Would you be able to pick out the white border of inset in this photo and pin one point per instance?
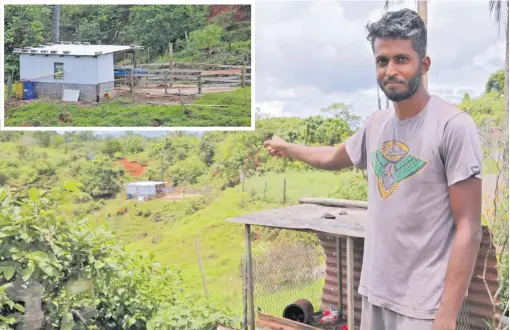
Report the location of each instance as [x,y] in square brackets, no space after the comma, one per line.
[142,128]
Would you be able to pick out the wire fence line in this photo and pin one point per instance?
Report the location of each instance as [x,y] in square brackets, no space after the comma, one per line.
[284,273]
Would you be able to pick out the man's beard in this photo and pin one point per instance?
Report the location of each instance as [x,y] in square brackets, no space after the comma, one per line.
[412,87]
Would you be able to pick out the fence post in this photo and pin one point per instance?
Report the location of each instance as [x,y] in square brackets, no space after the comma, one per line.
[284,190]
[265,188]
[171,63]
[134,66]
[9,87]
[249,271]
[166,83]
[131,82]
[243,77]
[241,179]
[197,244]
[200,82]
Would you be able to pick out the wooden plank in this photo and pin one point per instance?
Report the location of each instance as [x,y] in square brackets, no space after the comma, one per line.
[222,72]
[334,202]
[170,62]
[350,283]
[194,64]
[249,269]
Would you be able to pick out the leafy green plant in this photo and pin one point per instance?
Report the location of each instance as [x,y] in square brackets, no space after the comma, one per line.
[191,314]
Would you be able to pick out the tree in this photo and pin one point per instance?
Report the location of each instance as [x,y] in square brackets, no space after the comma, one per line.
[111,146]
[499,10]
[207,37]
[101,179]
[496,82]
[343,111]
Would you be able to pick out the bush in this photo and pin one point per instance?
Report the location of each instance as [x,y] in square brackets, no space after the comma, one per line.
[81,269]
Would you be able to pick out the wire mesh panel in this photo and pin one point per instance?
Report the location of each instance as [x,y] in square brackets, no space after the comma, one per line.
[284,273]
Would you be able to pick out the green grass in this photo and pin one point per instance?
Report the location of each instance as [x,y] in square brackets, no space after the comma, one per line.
[277,301]
[119,113]
[308,184]
[221,243]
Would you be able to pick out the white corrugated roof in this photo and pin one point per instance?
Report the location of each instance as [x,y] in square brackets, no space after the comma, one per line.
[145,183]
[74,49]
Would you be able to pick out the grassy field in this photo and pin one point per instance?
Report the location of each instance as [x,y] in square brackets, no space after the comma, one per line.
[172,236]
[121,113]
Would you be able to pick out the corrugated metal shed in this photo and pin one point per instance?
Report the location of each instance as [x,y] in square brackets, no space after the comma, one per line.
[477,309]
[74,49]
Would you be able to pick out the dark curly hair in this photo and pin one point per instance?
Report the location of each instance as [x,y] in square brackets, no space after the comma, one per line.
[405,24]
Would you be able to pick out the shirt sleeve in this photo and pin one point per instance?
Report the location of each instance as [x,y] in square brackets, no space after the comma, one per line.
[356,148]
[462,149]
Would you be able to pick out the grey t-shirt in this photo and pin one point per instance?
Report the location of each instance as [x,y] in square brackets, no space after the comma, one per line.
[410,230]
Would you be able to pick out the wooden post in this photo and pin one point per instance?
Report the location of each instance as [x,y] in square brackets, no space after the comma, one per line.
[241,179]
[265,188]
[284,190]
[250,276]
[243,77]
[200,82]
[131,82]
[134,66]
[350,283]
[197,244]
[171,62]
[166,83]
[339,272]
[9,87]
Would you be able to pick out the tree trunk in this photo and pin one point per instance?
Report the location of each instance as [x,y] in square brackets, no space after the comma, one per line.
[422,12]
[505,131]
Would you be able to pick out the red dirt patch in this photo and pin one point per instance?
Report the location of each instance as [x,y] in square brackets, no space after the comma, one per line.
[133,168]
[216,10]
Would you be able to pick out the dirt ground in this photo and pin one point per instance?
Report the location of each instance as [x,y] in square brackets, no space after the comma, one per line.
[188,94]
[173,197]
[132,168]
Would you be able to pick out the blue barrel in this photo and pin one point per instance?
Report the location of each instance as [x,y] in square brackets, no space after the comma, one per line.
[29,90]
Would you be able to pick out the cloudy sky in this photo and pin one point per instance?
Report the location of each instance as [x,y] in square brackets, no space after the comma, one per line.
[311,54]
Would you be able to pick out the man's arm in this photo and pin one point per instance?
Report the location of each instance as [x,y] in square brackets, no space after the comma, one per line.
[325,158]
[466,206]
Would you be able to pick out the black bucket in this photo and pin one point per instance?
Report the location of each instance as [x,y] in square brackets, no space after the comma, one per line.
[300,311]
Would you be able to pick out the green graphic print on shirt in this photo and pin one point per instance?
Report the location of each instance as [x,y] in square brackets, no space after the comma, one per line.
[393,164]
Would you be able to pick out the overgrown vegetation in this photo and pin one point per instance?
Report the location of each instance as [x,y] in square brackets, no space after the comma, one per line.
[205,33]
[121,113]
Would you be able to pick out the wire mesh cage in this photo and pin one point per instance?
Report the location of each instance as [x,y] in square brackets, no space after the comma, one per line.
[285,273]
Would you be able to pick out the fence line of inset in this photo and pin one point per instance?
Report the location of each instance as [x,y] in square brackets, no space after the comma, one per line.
[181,78]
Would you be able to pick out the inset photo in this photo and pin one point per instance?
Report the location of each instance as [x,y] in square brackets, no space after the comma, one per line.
[144,66]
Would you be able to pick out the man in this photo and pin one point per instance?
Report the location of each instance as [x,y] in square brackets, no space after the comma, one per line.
[424,161]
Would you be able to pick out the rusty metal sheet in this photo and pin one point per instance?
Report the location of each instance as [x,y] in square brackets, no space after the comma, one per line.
[479,306]
[476,311]
[330,293]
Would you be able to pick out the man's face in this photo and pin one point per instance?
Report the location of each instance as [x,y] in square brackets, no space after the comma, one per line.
[398,67]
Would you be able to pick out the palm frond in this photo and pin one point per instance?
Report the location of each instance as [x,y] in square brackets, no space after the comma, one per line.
[388,3]
[496,8]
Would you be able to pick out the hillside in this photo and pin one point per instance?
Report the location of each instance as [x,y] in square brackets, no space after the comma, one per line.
[75,182]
